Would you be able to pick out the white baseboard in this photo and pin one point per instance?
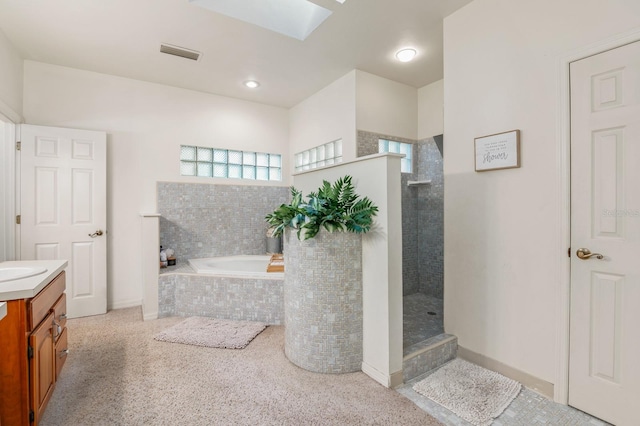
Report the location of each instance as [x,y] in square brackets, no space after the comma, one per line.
[121,304]
[534,383]
[150,316]
[386,380]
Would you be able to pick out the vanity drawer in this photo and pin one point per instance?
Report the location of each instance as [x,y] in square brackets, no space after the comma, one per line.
[40,306]
[62,349]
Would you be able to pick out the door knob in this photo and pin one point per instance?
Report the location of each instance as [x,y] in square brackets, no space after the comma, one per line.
[585,254]
[96,234]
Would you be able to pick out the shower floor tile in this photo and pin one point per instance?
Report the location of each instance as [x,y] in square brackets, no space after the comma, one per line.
[418,324]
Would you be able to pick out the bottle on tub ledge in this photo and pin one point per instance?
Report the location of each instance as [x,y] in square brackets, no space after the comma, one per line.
[167,257]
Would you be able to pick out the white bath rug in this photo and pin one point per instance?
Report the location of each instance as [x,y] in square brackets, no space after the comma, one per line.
[212,333]
[473,393]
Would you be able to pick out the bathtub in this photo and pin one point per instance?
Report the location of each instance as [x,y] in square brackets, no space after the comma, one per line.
[235,266]
[230,287]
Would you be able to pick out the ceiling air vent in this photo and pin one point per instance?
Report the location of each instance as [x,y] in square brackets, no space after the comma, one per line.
[180,51]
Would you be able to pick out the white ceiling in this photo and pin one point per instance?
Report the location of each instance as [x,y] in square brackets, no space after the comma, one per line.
[123,37]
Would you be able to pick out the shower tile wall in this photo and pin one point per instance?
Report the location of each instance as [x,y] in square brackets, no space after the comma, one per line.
[422,215]
[203,220]
[430,206]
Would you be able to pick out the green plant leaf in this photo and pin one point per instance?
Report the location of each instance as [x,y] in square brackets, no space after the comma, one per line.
[335,207]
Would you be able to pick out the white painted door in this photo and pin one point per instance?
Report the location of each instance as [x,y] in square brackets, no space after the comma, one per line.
[604,365]
[63,209]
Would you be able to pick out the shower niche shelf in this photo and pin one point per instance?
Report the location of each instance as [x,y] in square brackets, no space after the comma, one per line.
[418,182]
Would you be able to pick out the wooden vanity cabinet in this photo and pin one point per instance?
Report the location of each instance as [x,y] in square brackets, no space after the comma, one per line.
[33,345]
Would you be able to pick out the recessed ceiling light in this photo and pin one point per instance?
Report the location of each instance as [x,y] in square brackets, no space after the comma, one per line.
[252,84]
[406,55]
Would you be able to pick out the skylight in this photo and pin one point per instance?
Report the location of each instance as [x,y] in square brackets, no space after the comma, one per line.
[293,18]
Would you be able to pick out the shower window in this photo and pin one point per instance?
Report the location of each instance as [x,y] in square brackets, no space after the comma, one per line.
[227,163]
[406,164]
[320,156]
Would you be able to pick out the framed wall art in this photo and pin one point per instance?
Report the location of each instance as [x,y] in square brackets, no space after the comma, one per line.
[499,151]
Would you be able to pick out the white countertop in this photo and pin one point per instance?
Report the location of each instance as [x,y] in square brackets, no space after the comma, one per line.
[26,288]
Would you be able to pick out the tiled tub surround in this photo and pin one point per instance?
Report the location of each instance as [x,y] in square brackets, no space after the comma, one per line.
[422,215]
[323,302]
[182,292]
[205,220]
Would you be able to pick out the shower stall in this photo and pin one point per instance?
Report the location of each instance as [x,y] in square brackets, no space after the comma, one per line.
[422,231]
[423,244]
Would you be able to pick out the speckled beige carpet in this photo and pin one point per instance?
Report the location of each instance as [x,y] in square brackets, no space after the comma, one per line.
[212,333]
[117,374]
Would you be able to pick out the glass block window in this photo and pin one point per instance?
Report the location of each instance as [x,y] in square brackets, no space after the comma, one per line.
[406,164]
[227,163]
[320,156]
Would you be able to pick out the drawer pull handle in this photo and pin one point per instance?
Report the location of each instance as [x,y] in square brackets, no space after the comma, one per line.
[58,329]
[63,353]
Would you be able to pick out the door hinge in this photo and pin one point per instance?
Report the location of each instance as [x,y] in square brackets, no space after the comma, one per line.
[32,416]
[18,218]
[18,146]
[569,252]
[29,352]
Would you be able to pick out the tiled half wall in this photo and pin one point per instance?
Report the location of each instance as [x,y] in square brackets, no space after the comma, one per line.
[205,220]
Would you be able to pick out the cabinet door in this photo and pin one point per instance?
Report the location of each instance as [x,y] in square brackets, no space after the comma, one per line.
[42,366]
[62,349]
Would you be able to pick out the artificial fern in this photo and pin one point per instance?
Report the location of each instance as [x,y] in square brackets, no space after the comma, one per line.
[336,208]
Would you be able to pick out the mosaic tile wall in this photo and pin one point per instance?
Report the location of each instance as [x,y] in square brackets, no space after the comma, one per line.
[430,210]
[438,351]
[422,211]
[203,220]
[246,299]
[323,302]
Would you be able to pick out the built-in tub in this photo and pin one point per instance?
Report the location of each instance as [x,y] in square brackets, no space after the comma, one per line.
[235,266]
[229,287]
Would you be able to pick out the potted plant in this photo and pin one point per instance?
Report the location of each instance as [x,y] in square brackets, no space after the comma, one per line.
[323,275]
[336,208]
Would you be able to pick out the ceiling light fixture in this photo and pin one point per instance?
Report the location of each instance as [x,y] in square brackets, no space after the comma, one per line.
[252,84]
[406,55]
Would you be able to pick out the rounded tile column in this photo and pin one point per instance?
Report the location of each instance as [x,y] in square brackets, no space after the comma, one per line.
[323,301]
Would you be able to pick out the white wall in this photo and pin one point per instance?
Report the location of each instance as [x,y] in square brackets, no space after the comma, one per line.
[326,116]
[10,79]
[146,124]
[503,255]
[377,177]
[386,107]
[431,110]
[10,112]
[7,189]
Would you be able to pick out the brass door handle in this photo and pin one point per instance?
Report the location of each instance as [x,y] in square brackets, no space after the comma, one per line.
[585,254]
[96,234]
